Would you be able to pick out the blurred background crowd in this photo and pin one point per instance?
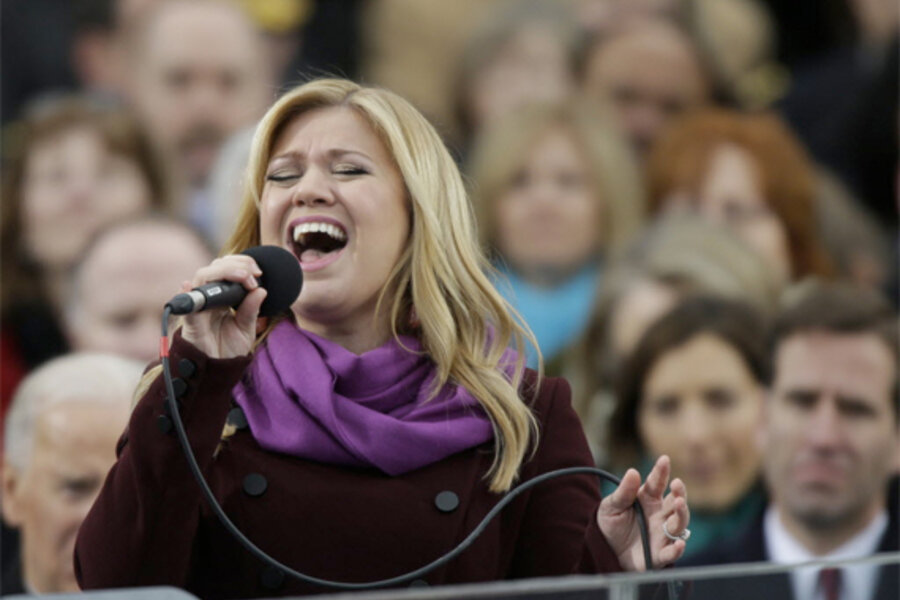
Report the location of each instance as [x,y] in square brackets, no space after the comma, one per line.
[657,183]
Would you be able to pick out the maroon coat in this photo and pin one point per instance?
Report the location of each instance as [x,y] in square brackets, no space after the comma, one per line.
[150,525]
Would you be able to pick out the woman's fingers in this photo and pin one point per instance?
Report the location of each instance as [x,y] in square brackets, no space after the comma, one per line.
[670,553]
[235,267]
[655,485]
[678,520]
[248,311]
[624,495]
[223,333]
[678,488]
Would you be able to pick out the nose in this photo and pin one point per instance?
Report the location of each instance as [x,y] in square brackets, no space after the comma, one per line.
[644,121]
[696,425]
[313,189]
[82,189]
[203,97]
[824,430]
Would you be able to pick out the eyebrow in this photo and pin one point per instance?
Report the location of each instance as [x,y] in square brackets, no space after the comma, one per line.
[332,154]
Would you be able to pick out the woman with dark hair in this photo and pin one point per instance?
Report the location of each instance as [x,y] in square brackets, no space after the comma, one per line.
[693,389]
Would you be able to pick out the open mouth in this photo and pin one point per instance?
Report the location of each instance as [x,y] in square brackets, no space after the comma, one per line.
[314,240]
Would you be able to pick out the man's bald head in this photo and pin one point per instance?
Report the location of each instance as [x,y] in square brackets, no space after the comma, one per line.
[648,71]
[196,71]
[123,281]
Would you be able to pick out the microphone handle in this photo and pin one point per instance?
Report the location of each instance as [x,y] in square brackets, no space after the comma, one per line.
[210,295]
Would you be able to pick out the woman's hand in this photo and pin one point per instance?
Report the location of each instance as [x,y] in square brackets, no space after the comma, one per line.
[222,332]
[618,521]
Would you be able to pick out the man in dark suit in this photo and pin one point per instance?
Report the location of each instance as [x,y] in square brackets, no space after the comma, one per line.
[831,443]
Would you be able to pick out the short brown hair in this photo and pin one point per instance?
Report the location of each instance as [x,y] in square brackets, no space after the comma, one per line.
[839,308]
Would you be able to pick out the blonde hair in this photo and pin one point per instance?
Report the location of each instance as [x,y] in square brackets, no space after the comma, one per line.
[463,323]
[615,176]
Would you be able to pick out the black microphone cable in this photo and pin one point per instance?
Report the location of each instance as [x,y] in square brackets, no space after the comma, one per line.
[440,561]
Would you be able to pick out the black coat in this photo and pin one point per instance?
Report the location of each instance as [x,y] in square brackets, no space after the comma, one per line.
[751,547]
[150,526]
[11,579]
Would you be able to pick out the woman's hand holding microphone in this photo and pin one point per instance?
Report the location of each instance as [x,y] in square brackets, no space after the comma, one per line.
[224,332]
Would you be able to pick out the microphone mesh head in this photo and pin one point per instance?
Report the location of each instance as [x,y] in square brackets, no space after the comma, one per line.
[281,277]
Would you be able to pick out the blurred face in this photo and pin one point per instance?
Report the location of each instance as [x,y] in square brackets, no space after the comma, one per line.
[731,195]
[831,436]
[532,67]
[122,289]
[548,221]
[74,448]
[637,309]
[73,186]
[648,76]
[197,76]
[701,406]
[334,197]
[598,16]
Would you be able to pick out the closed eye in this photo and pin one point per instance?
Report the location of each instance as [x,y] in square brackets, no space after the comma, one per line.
[281,178]
[349,170]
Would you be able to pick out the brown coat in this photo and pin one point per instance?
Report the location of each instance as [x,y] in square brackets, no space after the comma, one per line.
[150,525]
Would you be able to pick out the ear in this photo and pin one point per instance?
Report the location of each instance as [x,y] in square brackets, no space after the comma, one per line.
[11,503]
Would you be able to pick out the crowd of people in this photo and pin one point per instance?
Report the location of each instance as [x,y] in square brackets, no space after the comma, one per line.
[685,210]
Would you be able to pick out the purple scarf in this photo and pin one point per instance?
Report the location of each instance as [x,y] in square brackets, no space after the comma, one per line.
[309,397]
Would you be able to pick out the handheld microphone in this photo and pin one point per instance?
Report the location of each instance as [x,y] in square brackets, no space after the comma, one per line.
[281,277]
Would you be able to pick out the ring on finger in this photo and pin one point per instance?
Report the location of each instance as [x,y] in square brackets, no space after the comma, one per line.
[683,536]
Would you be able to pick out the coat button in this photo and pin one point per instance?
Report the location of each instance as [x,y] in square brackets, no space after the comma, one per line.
[419,583]
[186,368]
[255,484]
[446,501]
[237,418]
[164,423]
[168,410]
[271,578]
[180,386]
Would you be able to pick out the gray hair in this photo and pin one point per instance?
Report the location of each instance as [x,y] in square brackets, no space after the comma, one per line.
[74,377]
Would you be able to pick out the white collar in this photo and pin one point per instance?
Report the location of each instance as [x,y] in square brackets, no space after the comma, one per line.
[783,548]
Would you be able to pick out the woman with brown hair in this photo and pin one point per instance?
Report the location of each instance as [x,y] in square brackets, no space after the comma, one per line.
[693,389]
[676,257]
[70,167]
[748,173]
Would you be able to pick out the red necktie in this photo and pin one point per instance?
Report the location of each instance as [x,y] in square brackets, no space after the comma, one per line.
[830,580]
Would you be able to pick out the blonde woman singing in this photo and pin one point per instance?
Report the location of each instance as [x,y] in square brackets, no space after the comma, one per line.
[368,429]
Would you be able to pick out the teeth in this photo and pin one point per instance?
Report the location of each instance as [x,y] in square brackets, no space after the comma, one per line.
[318,227]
